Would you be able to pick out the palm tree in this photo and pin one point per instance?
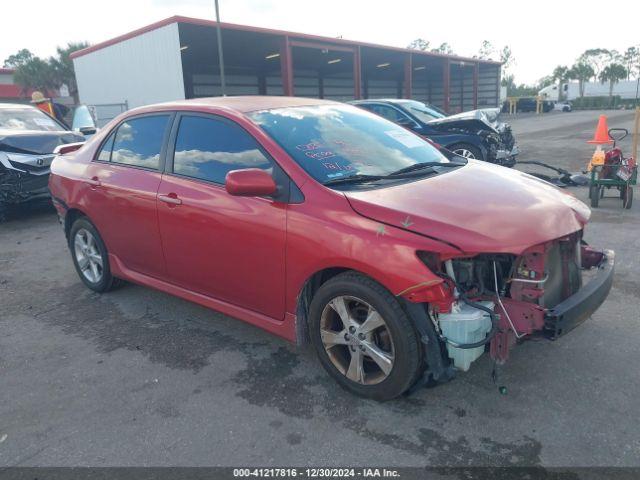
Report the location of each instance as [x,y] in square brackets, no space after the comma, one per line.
[612,73]
[559,75]
[582,72]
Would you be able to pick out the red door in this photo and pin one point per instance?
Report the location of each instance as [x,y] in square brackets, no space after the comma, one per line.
[121,195]
[230,248]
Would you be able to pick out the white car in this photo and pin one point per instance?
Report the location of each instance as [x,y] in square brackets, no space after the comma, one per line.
[563,106]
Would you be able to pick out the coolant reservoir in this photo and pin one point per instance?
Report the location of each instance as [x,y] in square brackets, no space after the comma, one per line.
[465,324]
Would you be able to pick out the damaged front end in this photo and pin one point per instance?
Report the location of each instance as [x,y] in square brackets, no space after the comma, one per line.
[25,163]
[23,177]
[491,301]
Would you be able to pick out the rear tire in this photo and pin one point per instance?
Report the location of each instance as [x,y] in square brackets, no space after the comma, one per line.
[90,256]
[627,198]
[594,195]
[375,352]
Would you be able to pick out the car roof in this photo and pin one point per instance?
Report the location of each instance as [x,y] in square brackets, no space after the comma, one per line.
[383,100]
[243,104]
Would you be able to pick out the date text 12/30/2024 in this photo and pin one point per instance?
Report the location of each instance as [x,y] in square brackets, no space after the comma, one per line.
[315,473]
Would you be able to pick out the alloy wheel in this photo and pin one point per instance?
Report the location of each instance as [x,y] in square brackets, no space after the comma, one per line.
[88,255]
[357,340]
[463,152]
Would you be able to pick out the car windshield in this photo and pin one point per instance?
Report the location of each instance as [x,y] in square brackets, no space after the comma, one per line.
[424,112]
[27,119]
[340,141]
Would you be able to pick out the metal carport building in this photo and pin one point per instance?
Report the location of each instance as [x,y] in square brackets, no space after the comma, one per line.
[177,58]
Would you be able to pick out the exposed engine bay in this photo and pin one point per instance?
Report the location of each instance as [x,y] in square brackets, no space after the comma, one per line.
[498,299]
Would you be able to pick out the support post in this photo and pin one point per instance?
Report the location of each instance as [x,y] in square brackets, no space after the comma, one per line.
[408,74]
[446,80]
[223,83]
[636,133]
[476,67]
[286,67]
[357,74]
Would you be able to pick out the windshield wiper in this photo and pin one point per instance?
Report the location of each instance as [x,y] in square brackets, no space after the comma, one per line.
[357,178]
[423,166]
[403,172]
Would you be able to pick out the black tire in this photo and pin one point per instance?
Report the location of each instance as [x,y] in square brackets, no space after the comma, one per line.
[475,151]
[106,281]
[594,195]
[407,350]
[627,199]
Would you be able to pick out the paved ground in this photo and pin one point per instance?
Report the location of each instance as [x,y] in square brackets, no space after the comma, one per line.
[136,377]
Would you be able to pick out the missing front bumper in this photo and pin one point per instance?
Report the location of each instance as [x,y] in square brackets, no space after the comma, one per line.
[571,312]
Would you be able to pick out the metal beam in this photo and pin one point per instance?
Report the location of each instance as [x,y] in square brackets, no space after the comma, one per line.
[357,74]
[446,81]
[476,67]
[286,67]
[223,83]
[408,74]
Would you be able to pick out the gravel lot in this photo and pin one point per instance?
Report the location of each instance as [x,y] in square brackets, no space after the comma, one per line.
[137,377]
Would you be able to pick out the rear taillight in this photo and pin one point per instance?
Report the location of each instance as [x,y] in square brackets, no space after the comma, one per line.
[68,148]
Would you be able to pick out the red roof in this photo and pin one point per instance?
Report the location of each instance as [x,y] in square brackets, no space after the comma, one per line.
[247,28]
[7,70]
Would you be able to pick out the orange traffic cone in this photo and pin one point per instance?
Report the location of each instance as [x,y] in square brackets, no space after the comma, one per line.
[602,132]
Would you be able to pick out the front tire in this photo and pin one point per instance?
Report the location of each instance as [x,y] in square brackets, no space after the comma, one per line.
[90,256]
[467,151]
[363,337]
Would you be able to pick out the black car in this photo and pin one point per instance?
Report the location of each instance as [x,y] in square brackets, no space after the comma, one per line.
[475,134]
[29,139]
[529,104]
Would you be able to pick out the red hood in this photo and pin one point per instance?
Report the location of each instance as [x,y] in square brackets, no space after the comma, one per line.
[478,208]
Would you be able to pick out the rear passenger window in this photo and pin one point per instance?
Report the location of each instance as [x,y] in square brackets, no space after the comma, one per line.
[138,141]
[208,148]
[105,152]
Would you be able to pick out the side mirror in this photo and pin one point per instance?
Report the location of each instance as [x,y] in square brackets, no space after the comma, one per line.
[249,182]
[88,130]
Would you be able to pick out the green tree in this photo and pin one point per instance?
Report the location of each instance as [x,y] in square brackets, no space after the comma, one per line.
[612,73]
[444,48]
[560,75]
[631,59]
[32,72]
[36,74]
[419,44]
[17,59]
[598,59]
[486,50]
[582,72]
[63,67]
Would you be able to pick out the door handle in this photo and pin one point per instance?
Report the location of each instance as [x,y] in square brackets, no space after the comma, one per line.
[93,181]
[171,199]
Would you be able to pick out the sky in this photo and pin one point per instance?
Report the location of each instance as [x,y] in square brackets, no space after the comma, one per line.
[541,34]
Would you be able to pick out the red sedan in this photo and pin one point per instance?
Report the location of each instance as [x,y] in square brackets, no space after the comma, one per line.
[320,221]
